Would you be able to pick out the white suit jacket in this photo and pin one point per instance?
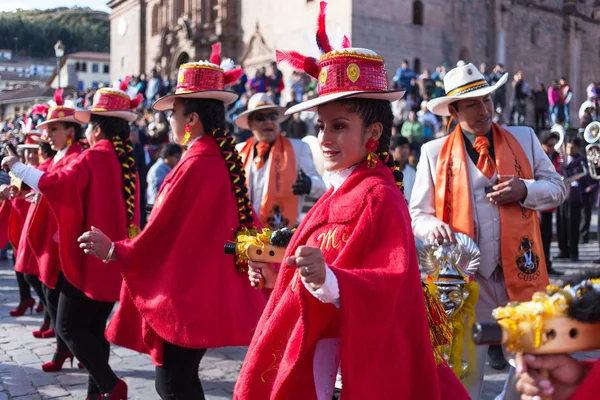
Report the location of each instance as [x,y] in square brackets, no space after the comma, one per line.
[545,191]
[304,161]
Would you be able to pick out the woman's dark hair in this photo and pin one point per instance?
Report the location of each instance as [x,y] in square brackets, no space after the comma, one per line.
[78,133]
[212,116]
[46,150]
[371,111]
[117,131]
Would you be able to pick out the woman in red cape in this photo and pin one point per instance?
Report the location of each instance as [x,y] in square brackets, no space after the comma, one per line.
[181,294]
[25,262]
[97,189]
[64,135]
[349,294]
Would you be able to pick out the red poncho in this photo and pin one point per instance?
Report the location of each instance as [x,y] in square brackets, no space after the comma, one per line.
[88,192]
[13,213]
[588,389]
[179,285]
[43,232]
[364,232]
[25,261]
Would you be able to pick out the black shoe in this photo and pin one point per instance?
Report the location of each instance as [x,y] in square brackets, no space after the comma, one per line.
[596,261]
[497,360]
[552,271]
[562,256]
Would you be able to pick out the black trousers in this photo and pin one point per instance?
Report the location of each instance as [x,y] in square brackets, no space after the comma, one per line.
[567,228]
[34,282]
[178,379]
[52,296]
[24,289]
[586,217]
[81,322]
[546,231]
[540,120]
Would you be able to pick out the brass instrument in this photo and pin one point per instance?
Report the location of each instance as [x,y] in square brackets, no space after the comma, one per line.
[592,151]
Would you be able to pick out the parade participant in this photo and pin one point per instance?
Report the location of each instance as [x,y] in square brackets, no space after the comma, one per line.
[97,189]
[25,262]
[340,296]
[279,171]
[486,182]
[171,318]
[13,216]
[65,135]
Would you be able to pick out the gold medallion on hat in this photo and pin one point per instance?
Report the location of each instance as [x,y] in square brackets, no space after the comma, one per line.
[61,114]
[353,72]
[323,76]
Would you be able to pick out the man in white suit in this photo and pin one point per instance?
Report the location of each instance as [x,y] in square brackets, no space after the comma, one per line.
[279,171]
[487,182]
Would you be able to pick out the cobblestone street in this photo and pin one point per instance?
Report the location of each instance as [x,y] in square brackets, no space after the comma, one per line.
[21,355]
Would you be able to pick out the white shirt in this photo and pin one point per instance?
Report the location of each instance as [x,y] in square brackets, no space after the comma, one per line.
[60,154]
[408,181]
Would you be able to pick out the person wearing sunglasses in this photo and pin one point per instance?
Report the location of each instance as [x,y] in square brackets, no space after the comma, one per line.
[279,171]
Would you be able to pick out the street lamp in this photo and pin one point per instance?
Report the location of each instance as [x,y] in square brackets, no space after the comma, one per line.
[59,51]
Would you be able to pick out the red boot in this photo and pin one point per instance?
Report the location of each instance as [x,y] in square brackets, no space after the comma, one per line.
[22,307]
[49,333]
[40,332]
[119,392]
[39,308]
[57,362]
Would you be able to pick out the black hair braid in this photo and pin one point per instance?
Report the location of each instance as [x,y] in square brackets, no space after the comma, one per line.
[372,111]
[212,116]
[117,130]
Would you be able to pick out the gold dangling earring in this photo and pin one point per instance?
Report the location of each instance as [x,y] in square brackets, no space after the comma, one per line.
[371,146]
[186,137]
[69,141]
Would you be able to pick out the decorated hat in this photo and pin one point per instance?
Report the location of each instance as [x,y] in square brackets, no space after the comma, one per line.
[449,262]
[260,102]
[59,111]
[32,141]
[38,111]
[204,80]
[112,102]
[463,82]
[349,72]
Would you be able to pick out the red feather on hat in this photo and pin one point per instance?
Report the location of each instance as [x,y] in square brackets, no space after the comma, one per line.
[346,43]
[232,76]
[215,56]
[298,61]
[125,84]
[40,109]
[135,102]
[58,97]
[322,38]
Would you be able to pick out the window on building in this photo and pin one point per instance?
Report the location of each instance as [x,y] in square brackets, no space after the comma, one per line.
[417,65]
[214,10]
[106,69]
[535,33]
[83,67]
[418,12]
[180,7]
[80,86]
[122,62]
[155,20]
[94,85]
[95,68]
[77,66]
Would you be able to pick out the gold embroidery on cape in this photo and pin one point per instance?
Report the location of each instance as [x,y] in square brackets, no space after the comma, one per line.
[328,239]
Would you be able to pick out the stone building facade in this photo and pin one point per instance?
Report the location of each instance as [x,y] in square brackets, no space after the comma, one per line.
[546,39]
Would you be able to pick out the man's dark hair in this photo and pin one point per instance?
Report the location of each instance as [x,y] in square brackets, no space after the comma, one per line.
[576,141]
[454,105]
[398,141]
[170,149]
[547,135]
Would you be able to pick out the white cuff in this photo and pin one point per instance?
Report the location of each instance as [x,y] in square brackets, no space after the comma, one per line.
[330,291]
[29,175]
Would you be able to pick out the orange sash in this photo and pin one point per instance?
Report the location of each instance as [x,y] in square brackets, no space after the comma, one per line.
[521,243]
[279,206]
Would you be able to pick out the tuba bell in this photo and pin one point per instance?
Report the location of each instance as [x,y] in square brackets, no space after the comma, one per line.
[560,130]
[592,151]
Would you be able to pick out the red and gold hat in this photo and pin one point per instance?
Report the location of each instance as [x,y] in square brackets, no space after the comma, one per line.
[204,80]
[112,102]
[59,112]
[32,141]
[349,72]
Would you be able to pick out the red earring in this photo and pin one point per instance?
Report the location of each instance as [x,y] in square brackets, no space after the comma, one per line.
[371,146]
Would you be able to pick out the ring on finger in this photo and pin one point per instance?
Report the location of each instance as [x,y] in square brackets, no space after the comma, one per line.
[306,270]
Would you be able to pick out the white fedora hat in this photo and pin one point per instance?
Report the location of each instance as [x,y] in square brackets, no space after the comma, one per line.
[464,82]
[258,102]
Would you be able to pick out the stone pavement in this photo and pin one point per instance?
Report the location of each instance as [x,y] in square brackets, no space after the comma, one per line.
[21,356]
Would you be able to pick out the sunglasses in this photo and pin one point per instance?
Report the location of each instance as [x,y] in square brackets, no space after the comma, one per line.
[260,117]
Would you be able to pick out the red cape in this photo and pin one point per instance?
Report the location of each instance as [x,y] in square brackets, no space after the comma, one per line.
[179,285]
[5,211]
[364,232]
[588,389]
[88,192]
[25,261]
[42,233]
